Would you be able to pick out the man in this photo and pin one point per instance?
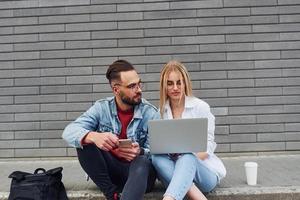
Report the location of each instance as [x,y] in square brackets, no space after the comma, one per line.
[96,135]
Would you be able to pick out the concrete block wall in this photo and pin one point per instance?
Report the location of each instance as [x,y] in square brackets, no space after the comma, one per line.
[243,56]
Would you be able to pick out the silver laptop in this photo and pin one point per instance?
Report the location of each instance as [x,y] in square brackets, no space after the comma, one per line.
[177,135]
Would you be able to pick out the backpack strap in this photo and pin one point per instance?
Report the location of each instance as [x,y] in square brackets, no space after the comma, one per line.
[39,169]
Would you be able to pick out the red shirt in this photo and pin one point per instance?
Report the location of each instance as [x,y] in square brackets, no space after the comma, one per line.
[125,117]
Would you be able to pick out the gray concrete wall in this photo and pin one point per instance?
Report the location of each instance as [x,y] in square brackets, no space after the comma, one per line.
[243,56]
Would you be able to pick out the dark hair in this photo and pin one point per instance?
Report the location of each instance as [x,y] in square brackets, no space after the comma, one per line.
[113,71]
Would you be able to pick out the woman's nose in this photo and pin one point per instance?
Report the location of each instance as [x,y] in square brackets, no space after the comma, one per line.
[175,87]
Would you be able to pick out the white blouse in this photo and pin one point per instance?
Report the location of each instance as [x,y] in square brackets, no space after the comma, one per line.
[197,108]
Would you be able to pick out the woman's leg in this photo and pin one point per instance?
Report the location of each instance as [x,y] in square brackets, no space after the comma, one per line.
[183,176]
[164,167]
[205,179]
[195,194]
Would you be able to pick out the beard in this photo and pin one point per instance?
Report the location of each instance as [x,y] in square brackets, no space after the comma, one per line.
[136,100]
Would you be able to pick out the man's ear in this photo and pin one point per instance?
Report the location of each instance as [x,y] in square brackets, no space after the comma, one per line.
[115,89]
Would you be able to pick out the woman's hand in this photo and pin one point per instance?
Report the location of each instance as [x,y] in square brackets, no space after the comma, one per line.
[202,155]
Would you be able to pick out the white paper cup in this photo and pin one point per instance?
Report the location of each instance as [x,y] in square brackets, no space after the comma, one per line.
[251,172]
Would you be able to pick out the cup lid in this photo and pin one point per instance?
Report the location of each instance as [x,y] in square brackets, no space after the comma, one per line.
[250,164]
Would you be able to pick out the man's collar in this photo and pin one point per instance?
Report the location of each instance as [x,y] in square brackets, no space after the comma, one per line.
[137,110]
[113,106]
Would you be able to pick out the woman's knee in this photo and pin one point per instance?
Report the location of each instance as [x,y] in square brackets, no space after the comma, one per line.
[208,186]
[205,179]
[188,158]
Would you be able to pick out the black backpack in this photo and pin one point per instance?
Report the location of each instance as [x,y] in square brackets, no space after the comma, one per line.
[41,185]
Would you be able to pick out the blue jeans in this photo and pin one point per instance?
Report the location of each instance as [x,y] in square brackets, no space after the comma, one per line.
[179,174]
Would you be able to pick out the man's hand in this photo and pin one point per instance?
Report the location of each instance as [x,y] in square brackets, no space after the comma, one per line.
[128,153]
[202,155]
[105,141]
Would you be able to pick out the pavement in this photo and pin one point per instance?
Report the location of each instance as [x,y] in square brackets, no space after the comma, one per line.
[278,178]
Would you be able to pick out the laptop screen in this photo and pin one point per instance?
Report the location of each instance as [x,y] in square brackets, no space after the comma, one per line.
[178,135]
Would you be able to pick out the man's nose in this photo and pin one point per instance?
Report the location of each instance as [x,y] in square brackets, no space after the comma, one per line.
[139,89]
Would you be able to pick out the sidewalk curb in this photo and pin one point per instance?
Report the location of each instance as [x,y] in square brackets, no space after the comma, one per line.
[279,179]
[245,193]
[256,190]
[256,193]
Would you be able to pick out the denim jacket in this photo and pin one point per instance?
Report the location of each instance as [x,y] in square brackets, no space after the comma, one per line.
[103,117]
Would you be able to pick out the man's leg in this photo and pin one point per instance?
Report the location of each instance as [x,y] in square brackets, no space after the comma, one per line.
[103,169]
[138,179]
[151,178]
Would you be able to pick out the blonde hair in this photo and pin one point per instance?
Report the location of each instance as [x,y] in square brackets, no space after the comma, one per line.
[171,66]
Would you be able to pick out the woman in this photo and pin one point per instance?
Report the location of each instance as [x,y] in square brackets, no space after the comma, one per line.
[191,173]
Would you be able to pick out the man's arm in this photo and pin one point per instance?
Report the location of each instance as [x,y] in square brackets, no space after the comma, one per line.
[105,141]
[77,130]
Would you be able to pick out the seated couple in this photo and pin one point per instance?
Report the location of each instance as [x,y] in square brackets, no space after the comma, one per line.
[131,171]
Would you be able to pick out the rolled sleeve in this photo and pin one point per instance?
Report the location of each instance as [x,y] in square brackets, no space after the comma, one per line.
[211,144]
[77,130]
[203,110]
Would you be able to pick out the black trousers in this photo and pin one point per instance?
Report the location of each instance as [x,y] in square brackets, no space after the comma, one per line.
[112,175]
